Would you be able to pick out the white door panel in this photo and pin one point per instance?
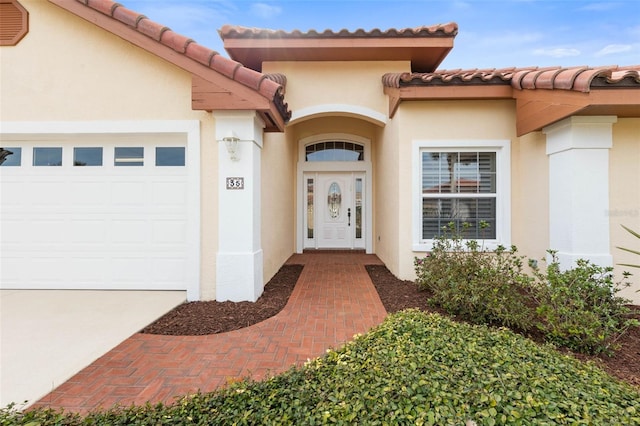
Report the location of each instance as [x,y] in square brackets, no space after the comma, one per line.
[334,215]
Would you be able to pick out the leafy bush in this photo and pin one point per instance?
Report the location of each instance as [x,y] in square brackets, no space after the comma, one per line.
[578,308]
[414,368]
[477,285]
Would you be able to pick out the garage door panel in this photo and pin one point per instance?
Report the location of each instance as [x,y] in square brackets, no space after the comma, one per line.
[13,269]
[43,231]
[88,231]
[48,269]
[13,193]
[170,231]
[13,230]
[169,271]
[130,269]
[90,193]
[129,192]
[129,231]
[49,194]
[90,271]
[96,226]
[169,193]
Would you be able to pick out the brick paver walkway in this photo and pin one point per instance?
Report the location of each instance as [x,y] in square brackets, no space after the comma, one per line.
[333,300]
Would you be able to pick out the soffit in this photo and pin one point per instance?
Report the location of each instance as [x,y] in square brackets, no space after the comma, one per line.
[425,47]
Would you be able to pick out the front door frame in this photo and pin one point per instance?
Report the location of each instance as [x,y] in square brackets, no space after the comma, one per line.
[335,167]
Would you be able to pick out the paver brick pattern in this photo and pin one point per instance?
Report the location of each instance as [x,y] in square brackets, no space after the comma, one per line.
[333,300]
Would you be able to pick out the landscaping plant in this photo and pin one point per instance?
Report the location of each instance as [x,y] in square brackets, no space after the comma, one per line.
[579,308]
[475,284]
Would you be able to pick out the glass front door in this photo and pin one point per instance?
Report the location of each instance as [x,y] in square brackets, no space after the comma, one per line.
[334,216]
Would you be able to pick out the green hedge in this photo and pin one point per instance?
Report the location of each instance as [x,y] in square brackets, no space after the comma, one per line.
[415,368]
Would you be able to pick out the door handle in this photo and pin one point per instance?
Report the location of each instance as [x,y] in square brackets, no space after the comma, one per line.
[349,216]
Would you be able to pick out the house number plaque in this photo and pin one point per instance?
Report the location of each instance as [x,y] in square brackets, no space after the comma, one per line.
[235,183]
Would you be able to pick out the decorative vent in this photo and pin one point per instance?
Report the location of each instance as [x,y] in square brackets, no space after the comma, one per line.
[14,22]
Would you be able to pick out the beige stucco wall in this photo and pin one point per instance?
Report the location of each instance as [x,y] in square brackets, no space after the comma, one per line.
[530,195]
[310,84]
[66,69]
[278,198]
[386,195]
[460,121]
[624,199]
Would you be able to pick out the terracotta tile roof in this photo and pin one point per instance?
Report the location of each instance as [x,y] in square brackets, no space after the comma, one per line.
[580,79]
[425,47]
[269,87]
[233,31]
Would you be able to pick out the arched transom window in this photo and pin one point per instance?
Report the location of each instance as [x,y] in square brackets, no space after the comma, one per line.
[334,151]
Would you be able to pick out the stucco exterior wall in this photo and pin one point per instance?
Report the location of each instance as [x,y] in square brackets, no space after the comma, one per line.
[445,120]
[278,198]
[386,194]
[530,195]
[624,199]
[67,69]
[310,84]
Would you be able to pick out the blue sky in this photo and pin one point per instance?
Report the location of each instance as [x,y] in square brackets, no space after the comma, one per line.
[492,33]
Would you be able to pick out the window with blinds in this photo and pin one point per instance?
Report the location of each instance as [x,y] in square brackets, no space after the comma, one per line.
[459,187]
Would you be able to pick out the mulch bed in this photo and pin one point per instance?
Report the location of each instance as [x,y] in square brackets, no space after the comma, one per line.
[211,317]
[199,318]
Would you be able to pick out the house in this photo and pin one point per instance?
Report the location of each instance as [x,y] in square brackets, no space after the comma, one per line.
[143,160]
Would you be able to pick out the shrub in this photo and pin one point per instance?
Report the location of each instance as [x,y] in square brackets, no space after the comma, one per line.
[579,308]
[414,368]
[477,285]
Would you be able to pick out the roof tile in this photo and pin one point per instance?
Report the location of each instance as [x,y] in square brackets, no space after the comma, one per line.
[225,66]
[547,78]
[583,80]
[234,31]
[565,78]
[175,41]
[127,16]
[151,29]
[199,53]
[103,6]
[579,79]
[249,77]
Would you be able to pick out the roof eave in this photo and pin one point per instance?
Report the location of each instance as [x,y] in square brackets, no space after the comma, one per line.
[536,109]
[252,49]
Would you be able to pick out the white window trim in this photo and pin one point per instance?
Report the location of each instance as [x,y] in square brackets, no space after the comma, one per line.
[502,148]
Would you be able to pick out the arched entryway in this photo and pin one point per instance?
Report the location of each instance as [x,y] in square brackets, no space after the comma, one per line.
[334,193]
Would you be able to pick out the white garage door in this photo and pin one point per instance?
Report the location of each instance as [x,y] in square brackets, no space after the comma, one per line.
[97,212]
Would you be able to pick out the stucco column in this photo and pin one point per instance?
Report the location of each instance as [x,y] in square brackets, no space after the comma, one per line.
[578,150]
[239,259]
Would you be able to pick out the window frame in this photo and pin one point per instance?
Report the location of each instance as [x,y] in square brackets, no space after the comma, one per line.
[502,149]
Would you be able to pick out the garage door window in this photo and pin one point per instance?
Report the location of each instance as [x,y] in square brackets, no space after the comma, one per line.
[10,157]
[87,156]
[129,156]
[47,156]
[170,156]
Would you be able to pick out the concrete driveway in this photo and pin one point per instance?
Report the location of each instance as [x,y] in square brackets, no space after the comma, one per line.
[46,336]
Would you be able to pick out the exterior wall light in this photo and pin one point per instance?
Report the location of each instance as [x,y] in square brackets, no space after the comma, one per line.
[231,141]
